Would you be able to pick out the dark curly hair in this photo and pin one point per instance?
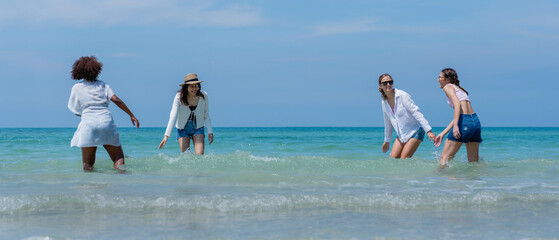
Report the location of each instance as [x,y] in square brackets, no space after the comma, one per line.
[452,77]
[382,94]
[87,68]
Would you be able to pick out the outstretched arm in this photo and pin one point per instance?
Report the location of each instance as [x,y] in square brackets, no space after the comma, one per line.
[172,120]
[439,138]
[124,108]
[409,104]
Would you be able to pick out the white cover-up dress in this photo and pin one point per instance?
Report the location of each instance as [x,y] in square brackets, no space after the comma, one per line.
[91,101]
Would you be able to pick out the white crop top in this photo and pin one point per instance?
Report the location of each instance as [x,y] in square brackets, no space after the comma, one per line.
[462,96]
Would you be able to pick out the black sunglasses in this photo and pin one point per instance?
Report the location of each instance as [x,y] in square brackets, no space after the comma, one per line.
[387,82]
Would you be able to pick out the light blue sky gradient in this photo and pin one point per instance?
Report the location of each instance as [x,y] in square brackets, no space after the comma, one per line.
[282,63]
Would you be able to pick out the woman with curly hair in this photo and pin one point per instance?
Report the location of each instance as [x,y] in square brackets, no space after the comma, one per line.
[464,127]
[89,100]
[401,114]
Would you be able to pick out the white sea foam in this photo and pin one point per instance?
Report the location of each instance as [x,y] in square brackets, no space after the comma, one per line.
[265,159]
[22,204]
[336,180]
[38,238]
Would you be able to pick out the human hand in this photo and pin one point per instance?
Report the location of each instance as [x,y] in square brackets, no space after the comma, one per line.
[135,122]
[385,147]
[163,142]
[431,136]
[438,140]
[456,132]
[210,137]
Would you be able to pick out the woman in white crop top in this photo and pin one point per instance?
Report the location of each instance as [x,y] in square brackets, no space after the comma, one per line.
[464,127]
[401,114]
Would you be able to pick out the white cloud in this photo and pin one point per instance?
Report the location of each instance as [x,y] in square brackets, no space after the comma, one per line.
[127,12]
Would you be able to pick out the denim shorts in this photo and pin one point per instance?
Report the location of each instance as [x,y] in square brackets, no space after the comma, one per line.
[419,134]
[470,129]
[189,130]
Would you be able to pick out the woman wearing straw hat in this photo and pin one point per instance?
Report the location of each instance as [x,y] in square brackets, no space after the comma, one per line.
[189,114]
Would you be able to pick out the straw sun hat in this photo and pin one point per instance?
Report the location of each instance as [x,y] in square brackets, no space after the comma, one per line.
[191,78]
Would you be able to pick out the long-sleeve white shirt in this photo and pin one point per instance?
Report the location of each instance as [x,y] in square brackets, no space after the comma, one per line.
[180,112]
[406,118]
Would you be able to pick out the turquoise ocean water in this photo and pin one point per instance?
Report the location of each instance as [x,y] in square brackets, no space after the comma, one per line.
[279,183]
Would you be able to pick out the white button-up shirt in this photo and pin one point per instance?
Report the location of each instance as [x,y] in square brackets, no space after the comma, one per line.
[406,118]
[180,112]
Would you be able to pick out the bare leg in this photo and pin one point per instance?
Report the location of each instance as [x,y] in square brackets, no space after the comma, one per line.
[410,147]
[396,149]
[449,150]
[198,140]
[472,148]
[116,154]
[184,143]
[88,157]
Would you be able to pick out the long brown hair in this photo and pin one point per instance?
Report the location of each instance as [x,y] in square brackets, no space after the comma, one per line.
[382,94]
[452,77]
[184,93]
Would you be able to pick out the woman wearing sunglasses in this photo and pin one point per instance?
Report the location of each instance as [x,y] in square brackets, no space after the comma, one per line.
[464,127]
[402,115]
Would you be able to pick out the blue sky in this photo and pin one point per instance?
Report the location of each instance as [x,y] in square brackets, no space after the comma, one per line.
[282,63]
